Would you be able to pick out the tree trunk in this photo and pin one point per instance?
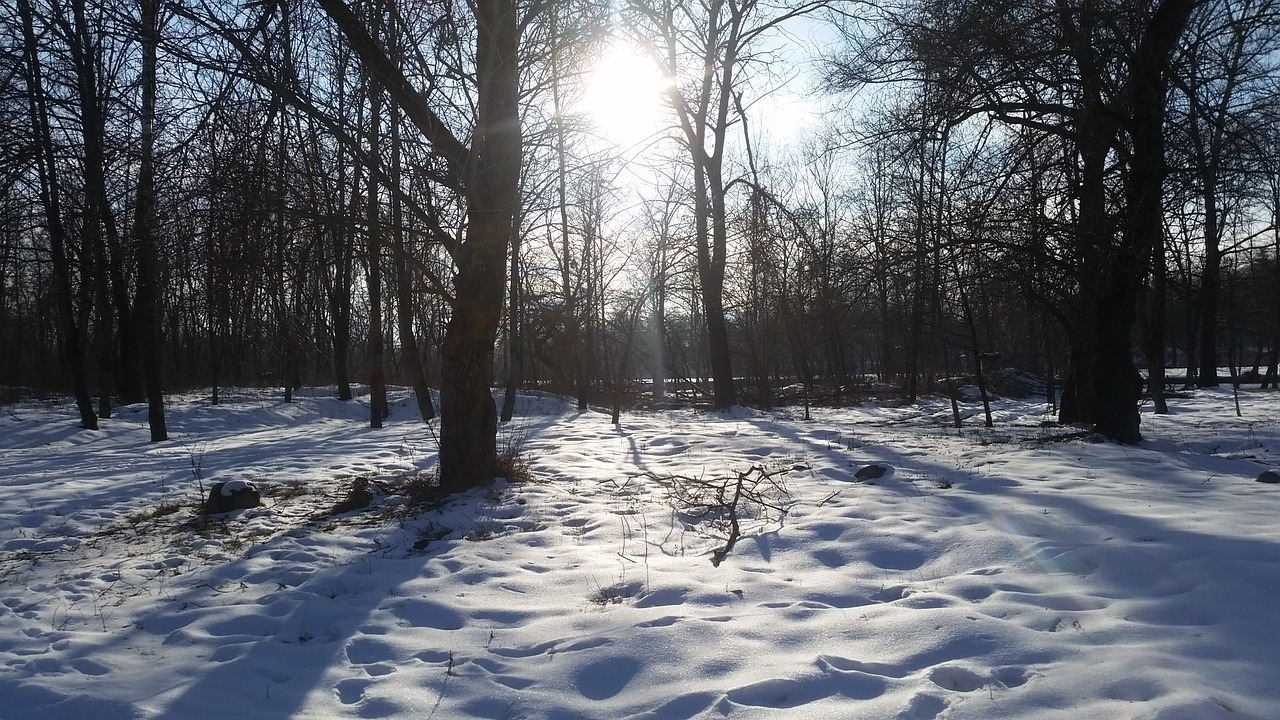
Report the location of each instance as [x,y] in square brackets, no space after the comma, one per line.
[515,349]
[72,331]
[468,428]
[1153,332]
[412,354]
[378,409]
[147,302]
[1145,216]
[1210,284]
[1104,384]
[488,175]
[343,259]
[93,245]
[1097,323]
[711,267]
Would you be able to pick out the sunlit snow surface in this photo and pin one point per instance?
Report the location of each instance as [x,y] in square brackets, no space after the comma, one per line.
[995,574]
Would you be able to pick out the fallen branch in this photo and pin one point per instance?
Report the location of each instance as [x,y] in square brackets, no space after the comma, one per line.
[721,504]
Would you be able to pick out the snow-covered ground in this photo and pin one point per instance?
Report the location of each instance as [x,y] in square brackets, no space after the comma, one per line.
[1002,573]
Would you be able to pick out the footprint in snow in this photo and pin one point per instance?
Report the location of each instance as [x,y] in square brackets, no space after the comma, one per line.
[351,691]
[85,666]
[367,651]
[951,677]
[605,678]
[923,707]
[425,613]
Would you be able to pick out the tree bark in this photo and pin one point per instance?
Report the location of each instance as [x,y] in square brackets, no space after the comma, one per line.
[343,246]
[1103,386]
[377,375]
[93,244]
[411,353]
[488,175]
[147,301]
[468,430]
[71,330]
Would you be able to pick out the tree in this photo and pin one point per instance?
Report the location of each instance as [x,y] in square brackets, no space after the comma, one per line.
[486,173]
[73,322]
[1095,75]
[1224,76]
[147,301]
[704,48]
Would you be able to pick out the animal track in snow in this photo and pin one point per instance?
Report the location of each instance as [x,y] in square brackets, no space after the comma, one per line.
[894,593]
[842,601]
[687,705]
[896,558]
[847,665]
[831,558]
[785,693]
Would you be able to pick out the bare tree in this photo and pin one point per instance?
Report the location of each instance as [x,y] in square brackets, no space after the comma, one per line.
[486,173]
[1096,77]
[73,322]
[147,303]
[704,49]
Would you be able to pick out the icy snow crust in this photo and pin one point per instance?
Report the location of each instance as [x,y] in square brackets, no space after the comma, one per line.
[995,574]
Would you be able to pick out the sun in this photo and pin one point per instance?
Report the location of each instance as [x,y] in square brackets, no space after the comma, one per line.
[623,96]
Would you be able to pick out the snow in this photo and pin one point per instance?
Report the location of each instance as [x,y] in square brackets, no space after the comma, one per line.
[1006,572]
[231,487]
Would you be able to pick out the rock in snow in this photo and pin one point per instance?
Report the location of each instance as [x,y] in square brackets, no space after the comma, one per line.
[232,495]
[873,472]
[1269,476]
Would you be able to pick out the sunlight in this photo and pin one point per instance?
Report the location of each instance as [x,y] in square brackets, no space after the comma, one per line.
[623,96]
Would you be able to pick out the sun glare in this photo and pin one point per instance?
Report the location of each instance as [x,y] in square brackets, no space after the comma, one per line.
[623,96]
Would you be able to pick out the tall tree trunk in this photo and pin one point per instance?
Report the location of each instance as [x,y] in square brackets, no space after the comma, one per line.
[377,375]
[411,353]
[468,430]
[574,314]
[515,348]
[1103,385]
[1153,331]
[71,330]
[1094,238]
[1210,285]
[343,248]
[147,302]
[488,174]
[93,246]
[711,267]
[658,321]
[1273,364]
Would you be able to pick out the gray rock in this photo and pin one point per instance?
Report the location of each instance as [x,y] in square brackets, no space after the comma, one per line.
[1269,476]
[872,472]
[232,495]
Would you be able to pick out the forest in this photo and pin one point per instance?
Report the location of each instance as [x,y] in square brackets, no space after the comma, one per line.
[288,193]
